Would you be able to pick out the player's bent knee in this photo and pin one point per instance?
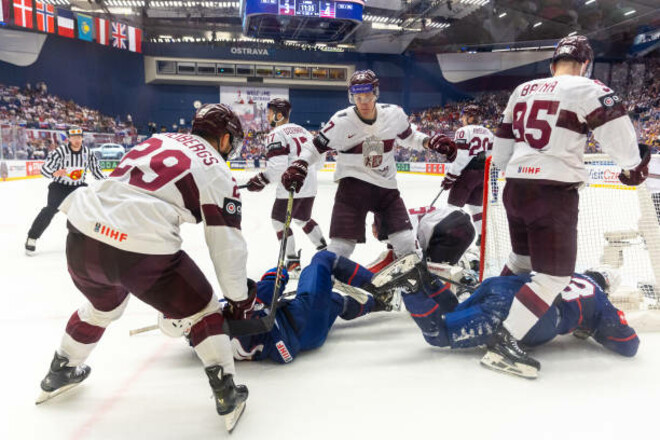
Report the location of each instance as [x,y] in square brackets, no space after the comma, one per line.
[324,258]
[89,314]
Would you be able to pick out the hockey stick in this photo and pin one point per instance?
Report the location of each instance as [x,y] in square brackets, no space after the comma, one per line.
[244,327]
[142,330]
[245,185]
[436,197]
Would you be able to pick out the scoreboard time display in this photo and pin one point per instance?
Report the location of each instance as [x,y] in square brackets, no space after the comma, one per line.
[306,8]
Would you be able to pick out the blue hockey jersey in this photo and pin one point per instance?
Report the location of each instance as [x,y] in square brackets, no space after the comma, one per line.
[583,305]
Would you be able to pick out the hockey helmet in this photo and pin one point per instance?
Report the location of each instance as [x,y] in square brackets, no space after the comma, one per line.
[608,278]
[216,120]
[472,110]
[74,130]
[576,48]
[280,105]
[363,81]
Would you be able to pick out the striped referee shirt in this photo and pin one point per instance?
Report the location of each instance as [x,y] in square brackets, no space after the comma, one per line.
[76,164]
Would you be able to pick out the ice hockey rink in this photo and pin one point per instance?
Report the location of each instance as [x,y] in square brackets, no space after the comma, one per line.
[374,378]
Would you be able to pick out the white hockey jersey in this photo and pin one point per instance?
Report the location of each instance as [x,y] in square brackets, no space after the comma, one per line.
[544,129]
[167,180]
[470,141]
[366,150]
[285,143]
[424,219]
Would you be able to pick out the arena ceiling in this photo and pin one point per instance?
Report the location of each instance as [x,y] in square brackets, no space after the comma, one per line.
[392,26]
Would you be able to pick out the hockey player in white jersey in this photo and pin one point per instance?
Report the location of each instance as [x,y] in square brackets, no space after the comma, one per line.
[540,145]
[465,176]
[285,143]
[365,135]
[124,237]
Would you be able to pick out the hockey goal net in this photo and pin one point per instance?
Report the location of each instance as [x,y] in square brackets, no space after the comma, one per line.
[618,225]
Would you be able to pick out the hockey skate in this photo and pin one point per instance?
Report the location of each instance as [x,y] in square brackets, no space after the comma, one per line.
[505,355]
[293,266]
[229,398]
[61,378]
[30,246]
[388,300]
[323,245]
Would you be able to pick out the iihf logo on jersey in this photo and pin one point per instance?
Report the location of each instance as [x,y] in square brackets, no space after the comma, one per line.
[109,232]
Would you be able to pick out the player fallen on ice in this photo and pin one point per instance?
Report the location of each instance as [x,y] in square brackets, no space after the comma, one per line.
[540,147]
[465,175]
[124,237]
[582,309]
[304,321]
[285,143]
[365,135]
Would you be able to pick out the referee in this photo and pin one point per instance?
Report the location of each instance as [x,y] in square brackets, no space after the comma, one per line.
[66,166]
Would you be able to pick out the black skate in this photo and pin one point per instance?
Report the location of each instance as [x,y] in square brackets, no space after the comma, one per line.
[389,300]
[61,378]
[504,354]
[293,265]
[323,245]
[30,246]
[229,398]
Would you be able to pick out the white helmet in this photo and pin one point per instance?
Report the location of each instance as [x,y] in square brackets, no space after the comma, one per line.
[610,277]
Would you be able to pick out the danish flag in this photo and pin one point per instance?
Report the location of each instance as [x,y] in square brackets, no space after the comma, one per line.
[119,36]
[45,17]
[23,13]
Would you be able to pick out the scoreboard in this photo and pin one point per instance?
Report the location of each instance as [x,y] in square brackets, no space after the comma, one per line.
[346,10]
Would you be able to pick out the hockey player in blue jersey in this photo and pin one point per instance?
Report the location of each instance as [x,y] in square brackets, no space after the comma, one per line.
[583,309]
[303,322]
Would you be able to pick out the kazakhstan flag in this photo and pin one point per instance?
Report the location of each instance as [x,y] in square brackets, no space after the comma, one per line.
[85,27]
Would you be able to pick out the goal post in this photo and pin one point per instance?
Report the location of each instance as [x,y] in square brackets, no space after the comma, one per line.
[617,225]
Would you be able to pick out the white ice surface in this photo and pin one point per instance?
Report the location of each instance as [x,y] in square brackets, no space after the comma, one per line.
[374,378]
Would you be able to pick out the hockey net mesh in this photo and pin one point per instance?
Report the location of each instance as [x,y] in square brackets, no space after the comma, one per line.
[617,225]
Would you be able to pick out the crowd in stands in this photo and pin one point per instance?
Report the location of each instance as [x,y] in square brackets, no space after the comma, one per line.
[33,108]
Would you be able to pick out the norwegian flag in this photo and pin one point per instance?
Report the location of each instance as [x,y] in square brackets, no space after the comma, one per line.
[102,31]
[119,35]
[23,13]
[45,17]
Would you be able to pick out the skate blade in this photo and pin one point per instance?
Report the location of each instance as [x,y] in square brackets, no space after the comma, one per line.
[232,418]
[499,363]
[47,395]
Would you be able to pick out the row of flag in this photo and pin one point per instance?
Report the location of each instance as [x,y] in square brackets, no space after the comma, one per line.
[89,28]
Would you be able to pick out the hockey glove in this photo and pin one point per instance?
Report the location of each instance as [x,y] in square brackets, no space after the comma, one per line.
[257,183]
[637,175]
[443,144]
[448,181]
[294,176]
[235,310]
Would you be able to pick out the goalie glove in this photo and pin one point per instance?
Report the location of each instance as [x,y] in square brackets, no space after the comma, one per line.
[257,183]
[449,181]
[443,144]
[235,310]
[637,175]
[294,176]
